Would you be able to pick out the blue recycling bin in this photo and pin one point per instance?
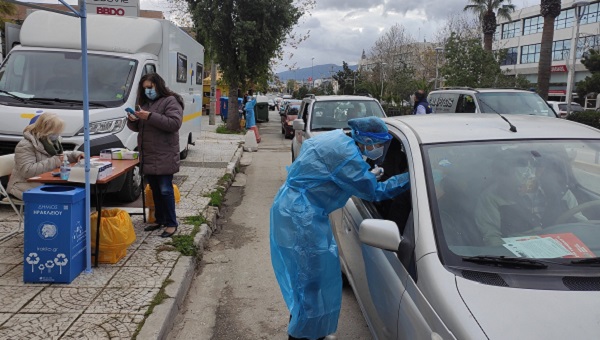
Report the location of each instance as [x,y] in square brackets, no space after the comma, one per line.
[54,249]
[224,106]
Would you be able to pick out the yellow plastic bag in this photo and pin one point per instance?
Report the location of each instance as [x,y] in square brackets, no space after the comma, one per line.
[242,123]
[150,201]
[116,234]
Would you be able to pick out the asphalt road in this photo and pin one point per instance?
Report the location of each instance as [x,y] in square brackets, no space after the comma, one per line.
[235,294]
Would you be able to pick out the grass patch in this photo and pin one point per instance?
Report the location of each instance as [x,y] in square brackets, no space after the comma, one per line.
[216,197]
[185,244]
[157,300]
[196,220]
[224,130]
[223,180]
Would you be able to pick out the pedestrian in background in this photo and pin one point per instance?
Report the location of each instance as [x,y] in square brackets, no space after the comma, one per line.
[329,169]
[249,107]
[157,121]
[39,151]
[421,104]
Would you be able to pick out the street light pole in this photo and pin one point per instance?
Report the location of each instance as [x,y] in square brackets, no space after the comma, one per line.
[382,65]
[579,10]
[437,50]
[312,74]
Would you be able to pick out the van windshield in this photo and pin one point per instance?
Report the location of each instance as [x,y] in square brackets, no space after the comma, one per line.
[55,78]
[527,103]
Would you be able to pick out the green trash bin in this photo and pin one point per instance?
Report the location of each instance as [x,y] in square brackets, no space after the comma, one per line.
[261,110]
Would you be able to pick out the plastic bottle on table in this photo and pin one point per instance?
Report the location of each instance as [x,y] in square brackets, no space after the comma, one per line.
[65,169]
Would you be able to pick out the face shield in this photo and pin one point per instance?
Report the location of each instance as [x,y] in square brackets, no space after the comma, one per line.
[372,145]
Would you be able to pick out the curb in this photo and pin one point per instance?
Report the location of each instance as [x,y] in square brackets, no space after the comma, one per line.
[158,324]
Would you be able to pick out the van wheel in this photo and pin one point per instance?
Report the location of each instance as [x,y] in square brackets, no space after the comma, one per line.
[132,187]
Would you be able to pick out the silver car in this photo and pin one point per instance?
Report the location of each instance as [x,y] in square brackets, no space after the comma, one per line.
[498,237]
[325,113]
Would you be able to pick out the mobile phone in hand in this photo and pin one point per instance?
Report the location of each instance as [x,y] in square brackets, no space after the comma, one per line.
[130,112]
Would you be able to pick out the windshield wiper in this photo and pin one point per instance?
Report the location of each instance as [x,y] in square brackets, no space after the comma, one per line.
[69,101]
[501,261]
[13,96]
[591,260]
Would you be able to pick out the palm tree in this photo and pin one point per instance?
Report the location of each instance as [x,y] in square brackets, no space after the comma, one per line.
[7,9]
[486,9]
[549,9]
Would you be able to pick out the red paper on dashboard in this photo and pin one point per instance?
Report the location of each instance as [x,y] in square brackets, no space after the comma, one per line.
[573,244]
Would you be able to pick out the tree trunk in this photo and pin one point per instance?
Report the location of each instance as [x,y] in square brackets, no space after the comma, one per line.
[545,64]
[487,42]
[212,109]
[233,117]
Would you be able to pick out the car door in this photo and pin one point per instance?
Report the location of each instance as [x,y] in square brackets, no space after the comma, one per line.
[377,276]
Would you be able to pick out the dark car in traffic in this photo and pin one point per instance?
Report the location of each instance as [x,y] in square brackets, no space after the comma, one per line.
[287,118]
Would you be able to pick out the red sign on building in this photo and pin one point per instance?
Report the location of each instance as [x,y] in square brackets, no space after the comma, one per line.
[559,68]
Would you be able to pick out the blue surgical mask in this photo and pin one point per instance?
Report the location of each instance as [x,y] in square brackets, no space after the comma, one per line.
[151,93]
[374,154]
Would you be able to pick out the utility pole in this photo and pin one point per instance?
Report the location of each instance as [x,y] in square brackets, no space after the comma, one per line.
[579,10]
[213,93]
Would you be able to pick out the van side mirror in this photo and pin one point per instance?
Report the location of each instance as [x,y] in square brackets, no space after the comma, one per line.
[298,124]
[381,234]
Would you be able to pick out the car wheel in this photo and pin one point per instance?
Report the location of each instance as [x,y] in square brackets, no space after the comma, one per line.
[132,187]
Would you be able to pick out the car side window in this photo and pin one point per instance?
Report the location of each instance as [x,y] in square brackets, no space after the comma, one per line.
[400,208]
[149,68]
[305,112]
[466,104]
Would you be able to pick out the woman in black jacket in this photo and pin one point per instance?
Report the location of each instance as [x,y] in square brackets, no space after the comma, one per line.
[157,120]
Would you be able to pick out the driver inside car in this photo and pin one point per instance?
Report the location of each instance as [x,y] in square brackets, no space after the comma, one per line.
[529,194]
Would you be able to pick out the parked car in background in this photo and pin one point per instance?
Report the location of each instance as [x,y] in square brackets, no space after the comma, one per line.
[419,265]
[326,113]
[287,118]
[285,103]
[561,108]
[503,101]
[271,103]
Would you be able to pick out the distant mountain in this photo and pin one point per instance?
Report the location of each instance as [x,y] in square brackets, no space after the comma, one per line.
[317,72]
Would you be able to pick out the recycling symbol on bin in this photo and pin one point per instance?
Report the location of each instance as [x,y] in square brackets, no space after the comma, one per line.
[47,230]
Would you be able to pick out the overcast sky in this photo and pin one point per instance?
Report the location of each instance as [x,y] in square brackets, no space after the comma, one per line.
[341,29]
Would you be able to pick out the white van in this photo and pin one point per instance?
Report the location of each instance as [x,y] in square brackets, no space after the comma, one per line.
[43,74]
[503,101]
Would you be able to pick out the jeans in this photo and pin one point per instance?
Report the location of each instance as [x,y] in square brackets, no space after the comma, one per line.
[164,199]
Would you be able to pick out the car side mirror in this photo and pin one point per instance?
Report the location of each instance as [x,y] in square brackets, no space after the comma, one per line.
[381,234]
[298,124]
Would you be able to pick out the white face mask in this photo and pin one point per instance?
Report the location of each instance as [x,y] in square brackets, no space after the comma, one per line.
[53,138]
[374,154]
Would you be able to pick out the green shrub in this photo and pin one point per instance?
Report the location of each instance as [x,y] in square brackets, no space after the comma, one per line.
[223,129]
[591,118]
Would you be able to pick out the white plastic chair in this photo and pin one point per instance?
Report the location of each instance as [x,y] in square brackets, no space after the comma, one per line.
[7,163]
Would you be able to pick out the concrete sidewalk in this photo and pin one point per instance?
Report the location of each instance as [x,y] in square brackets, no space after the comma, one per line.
[141,294]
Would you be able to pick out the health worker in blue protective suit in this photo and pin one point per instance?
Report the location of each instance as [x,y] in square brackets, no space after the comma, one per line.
[249,107]
[329,169]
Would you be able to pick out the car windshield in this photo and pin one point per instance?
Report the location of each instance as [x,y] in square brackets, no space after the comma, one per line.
[522,199]
[293,109]
[331,115]
[527,103]
[56,77]
[574,107]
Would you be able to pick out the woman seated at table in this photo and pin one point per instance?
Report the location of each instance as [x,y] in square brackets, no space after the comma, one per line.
[39,151]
